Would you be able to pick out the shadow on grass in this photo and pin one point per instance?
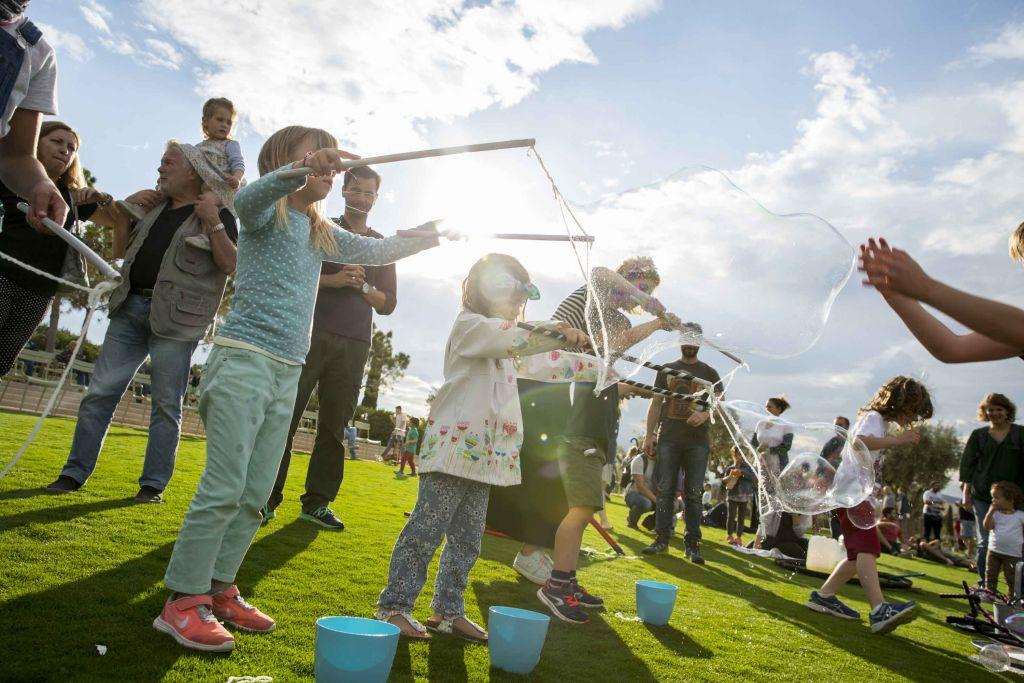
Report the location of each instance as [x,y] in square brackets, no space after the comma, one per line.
[678,642]
[61,513]
[116,608]
[564,641]
[18,494]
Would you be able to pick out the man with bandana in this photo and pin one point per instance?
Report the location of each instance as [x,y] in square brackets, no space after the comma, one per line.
[682,442]
[28,90]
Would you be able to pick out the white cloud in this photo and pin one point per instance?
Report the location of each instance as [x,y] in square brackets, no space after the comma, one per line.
[96,15]
[66,43]
[1009,44]
[370,73]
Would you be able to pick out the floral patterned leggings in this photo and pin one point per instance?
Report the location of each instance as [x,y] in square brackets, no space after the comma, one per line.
[448,507]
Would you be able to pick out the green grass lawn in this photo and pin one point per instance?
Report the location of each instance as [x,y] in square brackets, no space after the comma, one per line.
[86,569]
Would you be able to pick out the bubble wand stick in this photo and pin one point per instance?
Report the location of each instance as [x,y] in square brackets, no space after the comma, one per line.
[419,154]
[78,245]
[639,385]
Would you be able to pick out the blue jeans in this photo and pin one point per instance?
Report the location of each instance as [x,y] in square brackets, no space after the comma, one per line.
[693,460]
[126,346]
[980,510]
[638,504]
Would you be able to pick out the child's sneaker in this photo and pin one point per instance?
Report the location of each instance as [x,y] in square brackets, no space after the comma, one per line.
[583,597]
[230,607]
[190,621]
[889,615]
[562,602]
[199,242]
[133,210]
[833,606]
[533,567]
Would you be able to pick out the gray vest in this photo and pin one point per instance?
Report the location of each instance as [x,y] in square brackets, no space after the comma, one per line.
[188,288]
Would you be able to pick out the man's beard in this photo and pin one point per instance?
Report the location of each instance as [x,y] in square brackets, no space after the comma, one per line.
[12,9]
[690,353]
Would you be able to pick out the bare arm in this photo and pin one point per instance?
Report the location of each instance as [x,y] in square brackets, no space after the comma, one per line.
[224,252]
[892,271]
[990,520]
[942,342]
[653,414]
[642,487]
[24,175]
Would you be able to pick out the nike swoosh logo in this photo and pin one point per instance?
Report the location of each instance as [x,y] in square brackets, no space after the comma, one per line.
[182,623]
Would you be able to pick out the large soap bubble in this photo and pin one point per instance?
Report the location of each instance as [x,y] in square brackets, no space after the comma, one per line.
[804,469]
[758,282]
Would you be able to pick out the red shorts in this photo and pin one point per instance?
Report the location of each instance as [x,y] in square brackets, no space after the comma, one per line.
[857,540]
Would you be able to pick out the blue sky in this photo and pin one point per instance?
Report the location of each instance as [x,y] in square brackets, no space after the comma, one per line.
[899,118]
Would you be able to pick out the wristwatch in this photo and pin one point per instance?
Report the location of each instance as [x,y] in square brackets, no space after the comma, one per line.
[365,289]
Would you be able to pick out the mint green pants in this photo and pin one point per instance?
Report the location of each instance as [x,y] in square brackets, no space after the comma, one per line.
[246,405]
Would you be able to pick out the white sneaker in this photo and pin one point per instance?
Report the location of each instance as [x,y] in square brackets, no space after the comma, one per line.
[533,567]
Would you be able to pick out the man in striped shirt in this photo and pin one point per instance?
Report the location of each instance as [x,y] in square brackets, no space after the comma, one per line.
[589,439]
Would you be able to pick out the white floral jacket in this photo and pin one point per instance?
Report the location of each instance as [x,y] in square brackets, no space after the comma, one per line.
[474,430]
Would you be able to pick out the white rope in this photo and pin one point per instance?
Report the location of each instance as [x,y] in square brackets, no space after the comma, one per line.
[97,297]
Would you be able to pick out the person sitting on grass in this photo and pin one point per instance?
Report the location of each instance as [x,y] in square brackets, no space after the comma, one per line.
[412,438]
[901,400]
[1005,525]
[641,493]
[889,533]
[934,552]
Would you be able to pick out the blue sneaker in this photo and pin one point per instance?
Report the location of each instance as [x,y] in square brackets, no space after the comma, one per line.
[833,606]
[889,615]
[325,517]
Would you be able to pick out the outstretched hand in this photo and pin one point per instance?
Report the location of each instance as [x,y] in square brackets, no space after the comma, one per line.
[892,271]
[325,161]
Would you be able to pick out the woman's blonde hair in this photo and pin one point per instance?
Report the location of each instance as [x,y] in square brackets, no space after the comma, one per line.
[73,178]
[639,268]
[276,152]
[901,397]
[474,299]
[1017,244]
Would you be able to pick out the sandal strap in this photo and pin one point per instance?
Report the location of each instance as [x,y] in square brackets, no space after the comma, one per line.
[386,615]
[469,621]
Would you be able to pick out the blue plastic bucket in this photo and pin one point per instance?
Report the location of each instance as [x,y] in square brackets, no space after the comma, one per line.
[354,649]
[654,601]
[516,638]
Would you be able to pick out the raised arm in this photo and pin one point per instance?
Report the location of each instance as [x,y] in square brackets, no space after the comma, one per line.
[478,337]
[357,249]
[893,271]
[256,203]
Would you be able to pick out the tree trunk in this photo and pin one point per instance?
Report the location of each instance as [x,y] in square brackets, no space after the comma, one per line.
[51,334]
[372,384]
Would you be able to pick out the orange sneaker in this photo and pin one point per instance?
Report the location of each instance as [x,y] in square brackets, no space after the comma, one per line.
[190,621]
[231,608]
[731,540]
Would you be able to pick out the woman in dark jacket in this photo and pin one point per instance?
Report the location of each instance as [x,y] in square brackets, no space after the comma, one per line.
[993,453]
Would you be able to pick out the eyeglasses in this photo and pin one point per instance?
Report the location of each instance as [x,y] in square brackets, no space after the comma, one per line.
[527,288]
